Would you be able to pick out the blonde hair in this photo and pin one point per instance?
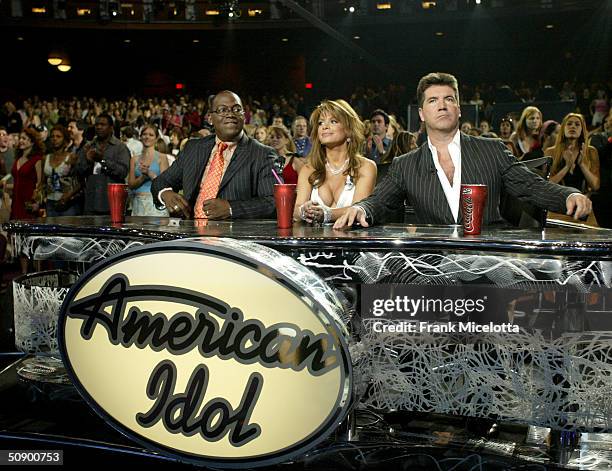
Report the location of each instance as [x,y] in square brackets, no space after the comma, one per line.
[281,131]
[354,128]
[521,127]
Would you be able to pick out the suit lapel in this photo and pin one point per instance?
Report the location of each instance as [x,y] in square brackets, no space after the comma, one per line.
[239,159]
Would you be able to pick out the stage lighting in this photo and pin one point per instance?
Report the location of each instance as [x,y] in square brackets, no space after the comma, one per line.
[352,9]
[64,65]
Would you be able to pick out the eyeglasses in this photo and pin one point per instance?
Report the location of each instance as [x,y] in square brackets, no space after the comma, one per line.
[226,110]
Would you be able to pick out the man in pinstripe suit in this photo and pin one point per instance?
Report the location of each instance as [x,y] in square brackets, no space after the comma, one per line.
[247,184]
[430,177]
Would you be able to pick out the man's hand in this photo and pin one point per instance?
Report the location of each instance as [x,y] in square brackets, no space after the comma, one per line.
[177,205]
[379,144]
[93,155]
[216,208]
[354,213]
[578,205]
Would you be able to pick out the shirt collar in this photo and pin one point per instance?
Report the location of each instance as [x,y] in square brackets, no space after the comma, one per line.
[229,144]
[456,141]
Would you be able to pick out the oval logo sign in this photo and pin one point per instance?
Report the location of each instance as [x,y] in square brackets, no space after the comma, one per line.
[215,352]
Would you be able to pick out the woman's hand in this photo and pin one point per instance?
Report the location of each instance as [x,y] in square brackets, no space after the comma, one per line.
[570,159]
[311,212]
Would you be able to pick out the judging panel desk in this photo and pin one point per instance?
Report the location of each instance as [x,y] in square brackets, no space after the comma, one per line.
[553,368]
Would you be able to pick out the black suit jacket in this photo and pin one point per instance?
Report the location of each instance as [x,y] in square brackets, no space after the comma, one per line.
[486,161]
[247,184]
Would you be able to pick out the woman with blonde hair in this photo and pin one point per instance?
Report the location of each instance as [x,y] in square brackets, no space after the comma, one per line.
[575,162]
[290,164]
[526,138]
[336,174]
[143,170]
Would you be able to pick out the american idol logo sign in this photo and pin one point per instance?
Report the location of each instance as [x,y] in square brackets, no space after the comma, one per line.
[209,351]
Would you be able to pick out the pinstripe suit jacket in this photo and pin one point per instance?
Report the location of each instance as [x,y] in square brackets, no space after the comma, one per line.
[487,161]
[247,184]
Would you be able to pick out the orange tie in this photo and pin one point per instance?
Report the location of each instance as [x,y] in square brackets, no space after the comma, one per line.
[210,185]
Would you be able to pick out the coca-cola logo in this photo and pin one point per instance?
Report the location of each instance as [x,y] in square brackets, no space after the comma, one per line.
[468,205]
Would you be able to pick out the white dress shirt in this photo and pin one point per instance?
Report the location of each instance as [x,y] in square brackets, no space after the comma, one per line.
[452,193]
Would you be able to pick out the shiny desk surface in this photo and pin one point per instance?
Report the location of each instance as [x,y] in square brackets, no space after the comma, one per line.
[564,239]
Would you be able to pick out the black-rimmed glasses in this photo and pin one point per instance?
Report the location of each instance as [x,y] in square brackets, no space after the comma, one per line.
[226,110]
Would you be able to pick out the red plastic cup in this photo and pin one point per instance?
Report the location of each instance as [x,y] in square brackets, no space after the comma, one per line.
[284,198]
[117,198]
[473,199]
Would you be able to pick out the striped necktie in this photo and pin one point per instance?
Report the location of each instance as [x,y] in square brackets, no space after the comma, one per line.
[210,185]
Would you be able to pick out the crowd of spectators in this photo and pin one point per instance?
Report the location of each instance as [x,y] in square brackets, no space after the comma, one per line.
[48,134]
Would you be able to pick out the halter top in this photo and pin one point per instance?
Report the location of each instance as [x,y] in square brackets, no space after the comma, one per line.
[346,197]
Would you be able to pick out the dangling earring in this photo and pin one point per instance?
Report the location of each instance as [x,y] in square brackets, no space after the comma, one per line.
[348,140]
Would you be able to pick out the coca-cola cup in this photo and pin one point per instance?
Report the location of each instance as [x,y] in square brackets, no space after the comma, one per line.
[284,198]
[117,198]
[473,199]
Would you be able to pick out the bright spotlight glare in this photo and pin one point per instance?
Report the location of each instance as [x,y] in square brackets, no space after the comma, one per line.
[352,9]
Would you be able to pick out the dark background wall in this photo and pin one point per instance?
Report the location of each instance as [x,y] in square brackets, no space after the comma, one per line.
[477,48]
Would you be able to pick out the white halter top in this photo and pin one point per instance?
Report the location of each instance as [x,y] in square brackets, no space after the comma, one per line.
[346,197]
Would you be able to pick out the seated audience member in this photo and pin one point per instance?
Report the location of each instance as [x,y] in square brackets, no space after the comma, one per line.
[403,143]
[302,142]
[430,178]
[506,128]
[393,128]
[485,127]
[526,138]
[214,189]
[599,108]
[133,144]
[261,133]
[289,164]
[101,161]
[548,133]
[7,153]
[377,141]
[336,175]
[76,129]
[145,168]
[466,127]
[176,137]
[27,175]
[62,188]
[575,163]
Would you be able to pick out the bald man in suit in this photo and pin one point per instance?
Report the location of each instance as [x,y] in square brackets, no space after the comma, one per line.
[430,177]
[247,185]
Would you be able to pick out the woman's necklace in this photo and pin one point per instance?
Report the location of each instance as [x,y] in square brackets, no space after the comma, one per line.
[336,171]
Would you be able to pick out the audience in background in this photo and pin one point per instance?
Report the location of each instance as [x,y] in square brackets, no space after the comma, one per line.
[7,153]
[145,168]
[302,142]
[61,187]
[575,162]
[377,141]
[548,133]
[526,138]
[27,176]
[289,163]
[103,160]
